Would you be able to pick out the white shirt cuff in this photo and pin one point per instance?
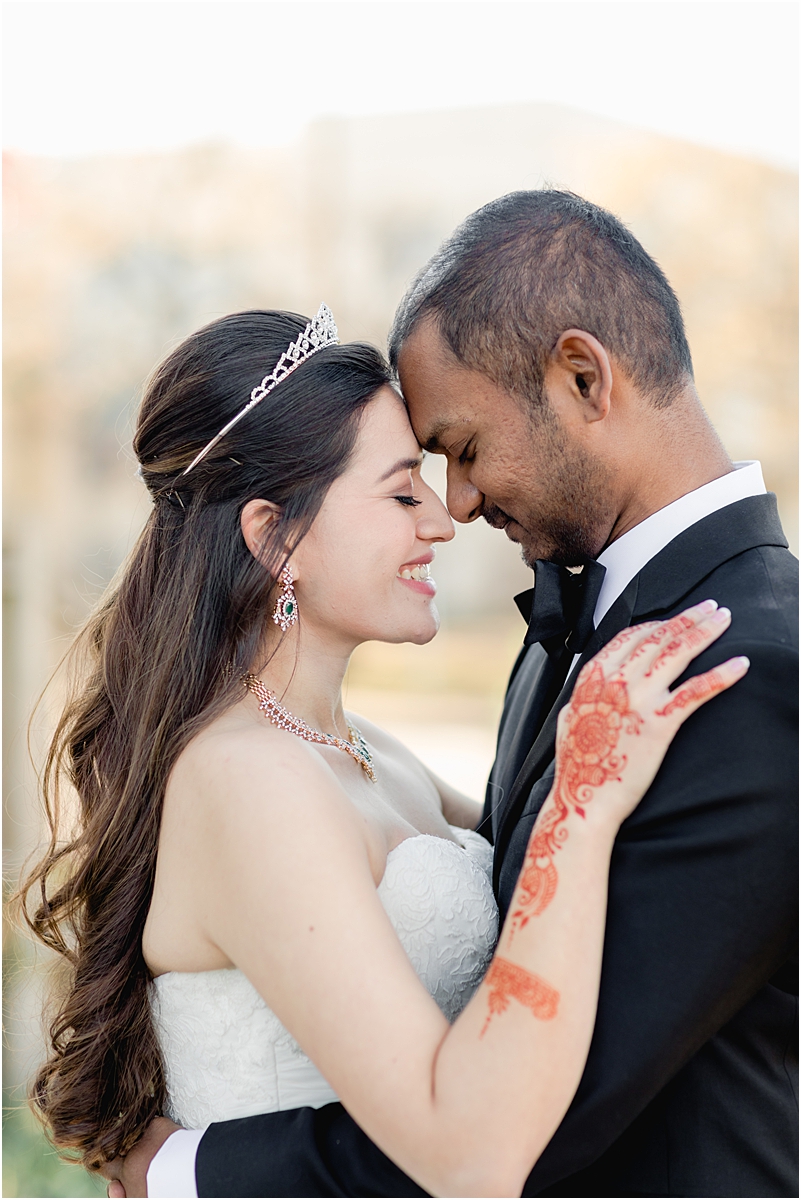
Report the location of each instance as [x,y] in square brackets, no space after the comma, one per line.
[172,1171]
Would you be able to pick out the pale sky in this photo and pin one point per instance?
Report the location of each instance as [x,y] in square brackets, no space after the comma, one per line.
[121,76]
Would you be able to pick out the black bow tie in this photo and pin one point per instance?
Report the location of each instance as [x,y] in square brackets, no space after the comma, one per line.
[560,607]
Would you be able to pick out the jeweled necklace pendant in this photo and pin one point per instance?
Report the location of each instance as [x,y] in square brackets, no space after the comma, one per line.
[275,712]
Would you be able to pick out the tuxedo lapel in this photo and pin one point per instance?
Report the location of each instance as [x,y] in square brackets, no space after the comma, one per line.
[660,586]
[521,711]
[542,751]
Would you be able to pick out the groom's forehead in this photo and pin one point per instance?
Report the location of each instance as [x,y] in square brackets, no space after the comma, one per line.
[445,410]
[425,360]
[439,415]
[440,392]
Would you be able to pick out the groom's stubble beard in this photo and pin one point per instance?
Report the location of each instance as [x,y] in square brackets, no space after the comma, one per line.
[567,511]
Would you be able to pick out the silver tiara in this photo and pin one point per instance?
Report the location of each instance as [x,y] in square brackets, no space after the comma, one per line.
[320,332]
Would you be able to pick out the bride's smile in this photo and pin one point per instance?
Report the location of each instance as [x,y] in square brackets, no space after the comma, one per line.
[419,572]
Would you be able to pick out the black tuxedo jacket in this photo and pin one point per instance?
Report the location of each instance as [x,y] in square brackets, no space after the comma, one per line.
[690,1088]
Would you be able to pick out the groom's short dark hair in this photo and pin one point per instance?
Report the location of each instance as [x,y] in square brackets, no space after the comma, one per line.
[526,267]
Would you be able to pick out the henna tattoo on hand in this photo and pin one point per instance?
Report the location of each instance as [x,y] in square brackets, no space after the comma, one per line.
[682,630]
[687,635]
[701,687]
[506,980]
[675,626]
[597,714]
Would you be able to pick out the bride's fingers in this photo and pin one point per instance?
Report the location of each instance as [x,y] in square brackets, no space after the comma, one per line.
[623,645]
[641,644]
[668,656]
[696,691]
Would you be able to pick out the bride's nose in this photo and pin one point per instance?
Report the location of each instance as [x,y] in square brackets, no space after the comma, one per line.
[433,521]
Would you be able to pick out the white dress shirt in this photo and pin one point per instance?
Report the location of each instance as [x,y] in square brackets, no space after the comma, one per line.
[172,1171]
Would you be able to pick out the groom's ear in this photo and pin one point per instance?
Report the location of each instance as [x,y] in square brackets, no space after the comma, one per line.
[582,372]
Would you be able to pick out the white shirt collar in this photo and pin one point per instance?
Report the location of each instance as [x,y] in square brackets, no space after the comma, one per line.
[629,554]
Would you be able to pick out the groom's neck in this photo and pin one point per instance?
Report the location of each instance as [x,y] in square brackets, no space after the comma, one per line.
[668,452]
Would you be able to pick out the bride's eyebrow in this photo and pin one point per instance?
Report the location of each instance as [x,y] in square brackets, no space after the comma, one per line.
[405,464]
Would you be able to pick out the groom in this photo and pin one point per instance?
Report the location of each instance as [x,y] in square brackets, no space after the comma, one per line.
[543,352]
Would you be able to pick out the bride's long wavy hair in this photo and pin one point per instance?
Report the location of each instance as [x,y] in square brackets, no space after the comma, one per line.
[150,669]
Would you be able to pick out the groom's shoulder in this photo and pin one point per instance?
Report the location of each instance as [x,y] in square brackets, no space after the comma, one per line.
[737,556]
[760,586]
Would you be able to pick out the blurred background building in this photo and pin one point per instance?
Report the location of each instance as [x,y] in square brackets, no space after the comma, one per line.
[110,260]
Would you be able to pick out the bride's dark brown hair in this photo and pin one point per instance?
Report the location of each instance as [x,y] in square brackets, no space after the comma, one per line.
[151,668]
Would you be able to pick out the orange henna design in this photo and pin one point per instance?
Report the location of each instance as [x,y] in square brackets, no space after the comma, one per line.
[699,688]
[676,625]
[596,716]
[690,636]
[506,980]
[536,886]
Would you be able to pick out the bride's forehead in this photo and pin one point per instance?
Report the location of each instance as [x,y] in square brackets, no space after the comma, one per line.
[385,425]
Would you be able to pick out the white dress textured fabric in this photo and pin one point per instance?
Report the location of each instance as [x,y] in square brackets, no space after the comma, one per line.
[227,1055]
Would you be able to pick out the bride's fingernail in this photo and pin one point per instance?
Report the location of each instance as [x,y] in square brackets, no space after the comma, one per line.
[707,606]
[722,614]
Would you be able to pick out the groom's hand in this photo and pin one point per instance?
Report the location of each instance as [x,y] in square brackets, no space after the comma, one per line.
[128,1175]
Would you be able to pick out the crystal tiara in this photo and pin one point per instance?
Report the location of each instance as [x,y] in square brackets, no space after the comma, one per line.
[320,332]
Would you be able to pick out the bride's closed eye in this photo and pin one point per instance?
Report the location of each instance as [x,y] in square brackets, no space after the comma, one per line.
[409,501]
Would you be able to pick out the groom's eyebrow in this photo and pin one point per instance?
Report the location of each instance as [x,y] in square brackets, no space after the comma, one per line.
[433,442]
[405,464]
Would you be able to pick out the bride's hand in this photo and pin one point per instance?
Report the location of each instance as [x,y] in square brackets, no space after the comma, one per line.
[621,718]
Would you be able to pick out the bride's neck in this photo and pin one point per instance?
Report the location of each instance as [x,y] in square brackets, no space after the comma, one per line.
[306,674]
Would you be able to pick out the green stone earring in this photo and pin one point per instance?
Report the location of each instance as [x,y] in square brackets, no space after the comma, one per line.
[286,606]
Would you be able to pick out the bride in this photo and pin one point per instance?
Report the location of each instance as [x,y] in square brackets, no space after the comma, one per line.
[264,902]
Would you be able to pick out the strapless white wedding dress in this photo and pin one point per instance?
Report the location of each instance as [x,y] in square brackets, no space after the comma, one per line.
[227,1055]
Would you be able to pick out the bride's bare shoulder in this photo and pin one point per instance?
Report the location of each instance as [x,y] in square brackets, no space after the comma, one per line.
[381,740]
[374,734]
[238,760]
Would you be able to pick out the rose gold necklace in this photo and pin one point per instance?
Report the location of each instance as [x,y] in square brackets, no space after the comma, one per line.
[276,713]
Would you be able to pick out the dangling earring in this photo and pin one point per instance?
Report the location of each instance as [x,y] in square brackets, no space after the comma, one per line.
[286,606]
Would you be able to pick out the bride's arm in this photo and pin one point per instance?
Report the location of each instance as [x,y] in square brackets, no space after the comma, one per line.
[289,896]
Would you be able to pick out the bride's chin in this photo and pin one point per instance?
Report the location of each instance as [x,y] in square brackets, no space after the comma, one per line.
[418,635]
[425,635]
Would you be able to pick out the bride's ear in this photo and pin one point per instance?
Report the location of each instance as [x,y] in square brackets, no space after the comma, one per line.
[256,520]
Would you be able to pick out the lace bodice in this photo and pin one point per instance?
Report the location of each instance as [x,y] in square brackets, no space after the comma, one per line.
[227,1055]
